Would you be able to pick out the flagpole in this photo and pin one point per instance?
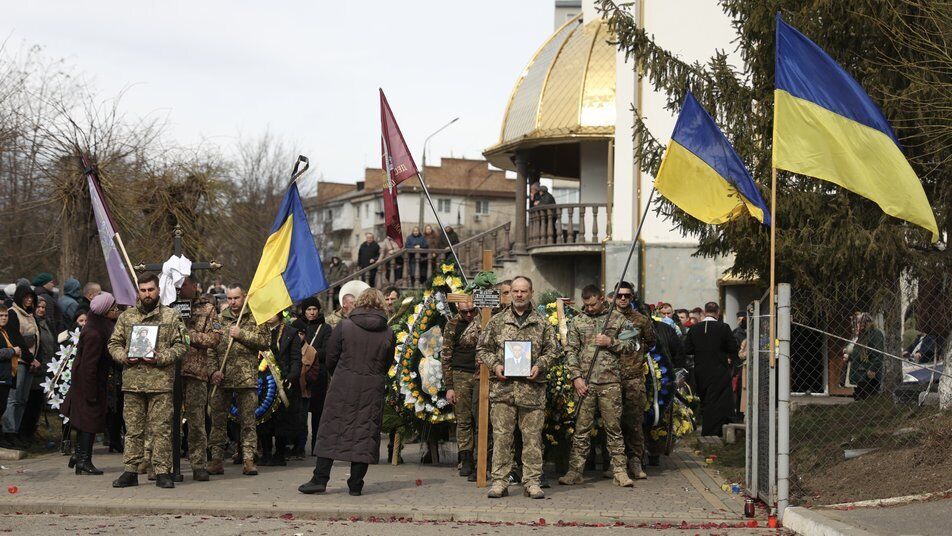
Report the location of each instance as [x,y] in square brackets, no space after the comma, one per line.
[426,192]
[773,265]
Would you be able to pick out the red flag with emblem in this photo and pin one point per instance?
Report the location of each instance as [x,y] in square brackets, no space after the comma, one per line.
[398,165]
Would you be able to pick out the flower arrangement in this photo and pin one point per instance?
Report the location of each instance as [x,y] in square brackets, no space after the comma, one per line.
[560,399]
[59,372]
[413,391]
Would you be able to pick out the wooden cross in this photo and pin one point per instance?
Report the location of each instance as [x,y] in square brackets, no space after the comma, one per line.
[482,441]
[177,386]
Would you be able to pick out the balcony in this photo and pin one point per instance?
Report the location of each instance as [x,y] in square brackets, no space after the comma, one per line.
[567,229]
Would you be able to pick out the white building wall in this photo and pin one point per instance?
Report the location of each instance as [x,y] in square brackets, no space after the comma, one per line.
[692,35]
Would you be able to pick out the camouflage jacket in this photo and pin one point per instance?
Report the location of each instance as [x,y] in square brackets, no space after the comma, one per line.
[466,346]
[241,369]
[204,332]
[149,377]
[581,347]
[633,363]
[334,318]
[490,350]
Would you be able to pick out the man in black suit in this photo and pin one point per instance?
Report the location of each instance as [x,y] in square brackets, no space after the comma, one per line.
[714,347]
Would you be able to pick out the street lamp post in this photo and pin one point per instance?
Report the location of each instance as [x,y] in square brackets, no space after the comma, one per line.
[423,168]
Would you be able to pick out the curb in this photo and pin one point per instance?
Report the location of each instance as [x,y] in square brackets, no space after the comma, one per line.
[11,454]
[332,512]
[891,501]
[812,523]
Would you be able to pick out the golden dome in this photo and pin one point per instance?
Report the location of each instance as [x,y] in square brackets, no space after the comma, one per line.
[566,92]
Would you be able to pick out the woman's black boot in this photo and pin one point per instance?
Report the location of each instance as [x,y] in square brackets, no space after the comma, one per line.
[84,462]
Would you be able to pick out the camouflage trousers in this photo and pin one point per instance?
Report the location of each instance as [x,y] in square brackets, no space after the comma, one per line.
[150,412]
[247,403]
[466,385]
[196,399]
[505,419]
[607,397]
[633,416]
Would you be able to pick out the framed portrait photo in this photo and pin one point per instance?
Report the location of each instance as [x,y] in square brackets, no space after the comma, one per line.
[518,356]
[142,342]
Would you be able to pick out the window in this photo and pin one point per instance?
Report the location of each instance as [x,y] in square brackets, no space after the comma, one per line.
[482,207]
[443,205]
[329,214]
[366,209]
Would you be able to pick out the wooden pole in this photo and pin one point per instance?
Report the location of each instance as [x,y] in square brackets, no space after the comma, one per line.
[482,428]
[231,341]
[773,266]
[125,256]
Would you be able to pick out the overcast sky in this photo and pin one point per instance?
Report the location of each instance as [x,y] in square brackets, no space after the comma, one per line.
[306,70]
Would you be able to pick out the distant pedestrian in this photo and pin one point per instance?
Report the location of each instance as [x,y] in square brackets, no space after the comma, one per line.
[367,255]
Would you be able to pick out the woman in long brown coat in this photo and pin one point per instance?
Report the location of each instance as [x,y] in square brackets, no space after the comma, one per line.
[358,355]
[85,403]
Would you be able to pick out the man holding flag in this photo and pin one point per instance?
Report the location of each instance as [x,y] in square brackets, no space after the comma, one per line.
[289,271]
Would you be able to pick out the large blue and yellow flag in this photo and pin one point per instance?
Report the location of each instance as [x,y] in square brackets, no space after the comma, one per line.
[701,173]
[290,268]
[826,126]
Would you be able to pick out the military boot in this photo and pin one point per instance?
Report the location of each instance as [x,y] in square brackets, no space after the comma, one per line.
[635,470]
[571,478]
[164,481]
[126,479]
[143,467]
[621,478]
[466,463]
[249,468]
[533,491]
[215,467]
[498,490]
[200,475]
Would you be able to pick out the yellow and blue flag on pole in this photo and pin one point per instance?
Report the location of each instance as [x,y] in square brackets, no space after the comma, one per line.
[826,126]
[701,173]
[290,268]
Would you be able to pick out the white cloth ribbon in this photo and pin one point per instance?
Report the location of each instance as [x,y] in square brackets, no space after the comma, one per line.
[173,274]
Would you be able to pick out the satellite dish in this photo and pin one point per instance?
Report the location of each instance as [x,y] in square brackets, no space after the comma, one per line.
[354,288]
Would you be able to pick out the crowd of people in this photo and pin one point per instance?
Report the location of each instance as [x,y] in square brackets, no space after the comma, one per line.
[332,376]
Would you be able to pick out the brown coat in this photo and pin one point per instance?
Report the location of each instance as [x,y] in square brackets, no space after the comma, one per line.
[359,353]
[85,403]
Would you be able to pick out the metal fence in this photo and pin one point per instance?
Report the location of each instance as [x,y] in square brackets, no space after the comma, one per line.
[863,359]
[853,385]
[759,421]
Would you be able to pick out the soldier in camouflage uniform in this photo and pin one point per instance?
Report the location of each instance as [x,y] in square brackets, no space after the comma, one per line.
[239,379]
[517,402]
[147,384]
[461,377]
[633,380]
[203,333]
[346,306]
[603,387]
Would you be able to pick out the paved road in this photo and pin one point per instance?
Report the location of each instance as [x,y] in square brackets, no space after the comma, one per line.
[224,526]
[932,518]
[682,489]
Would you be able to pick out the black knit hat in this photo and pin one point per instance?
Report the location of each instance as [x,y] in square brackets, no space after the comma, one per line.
[310,302]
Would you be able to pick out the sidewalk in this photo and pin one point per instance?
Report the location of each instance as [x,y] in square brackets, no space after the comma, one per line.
[917,518]
[682,489]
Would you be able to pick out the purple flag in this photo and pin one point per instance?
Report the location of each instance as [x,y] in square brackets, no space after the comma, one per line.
[119,277]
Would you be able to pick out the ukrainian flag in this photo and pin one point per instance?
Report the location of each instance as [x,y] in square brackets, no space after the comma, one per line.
[290,268]
[701,173]
[826,126]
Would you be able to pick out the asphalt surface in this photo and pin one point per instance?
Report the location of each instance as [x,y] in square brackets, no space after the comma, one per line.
[41,524]
[932,518]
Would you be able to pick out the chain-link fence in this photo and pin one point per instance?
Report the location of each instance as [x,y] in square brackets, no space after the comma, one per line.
[865,363]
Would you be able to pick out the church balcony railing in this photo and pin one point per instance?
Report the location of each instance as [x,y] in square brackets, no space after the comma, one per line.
[561,227]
